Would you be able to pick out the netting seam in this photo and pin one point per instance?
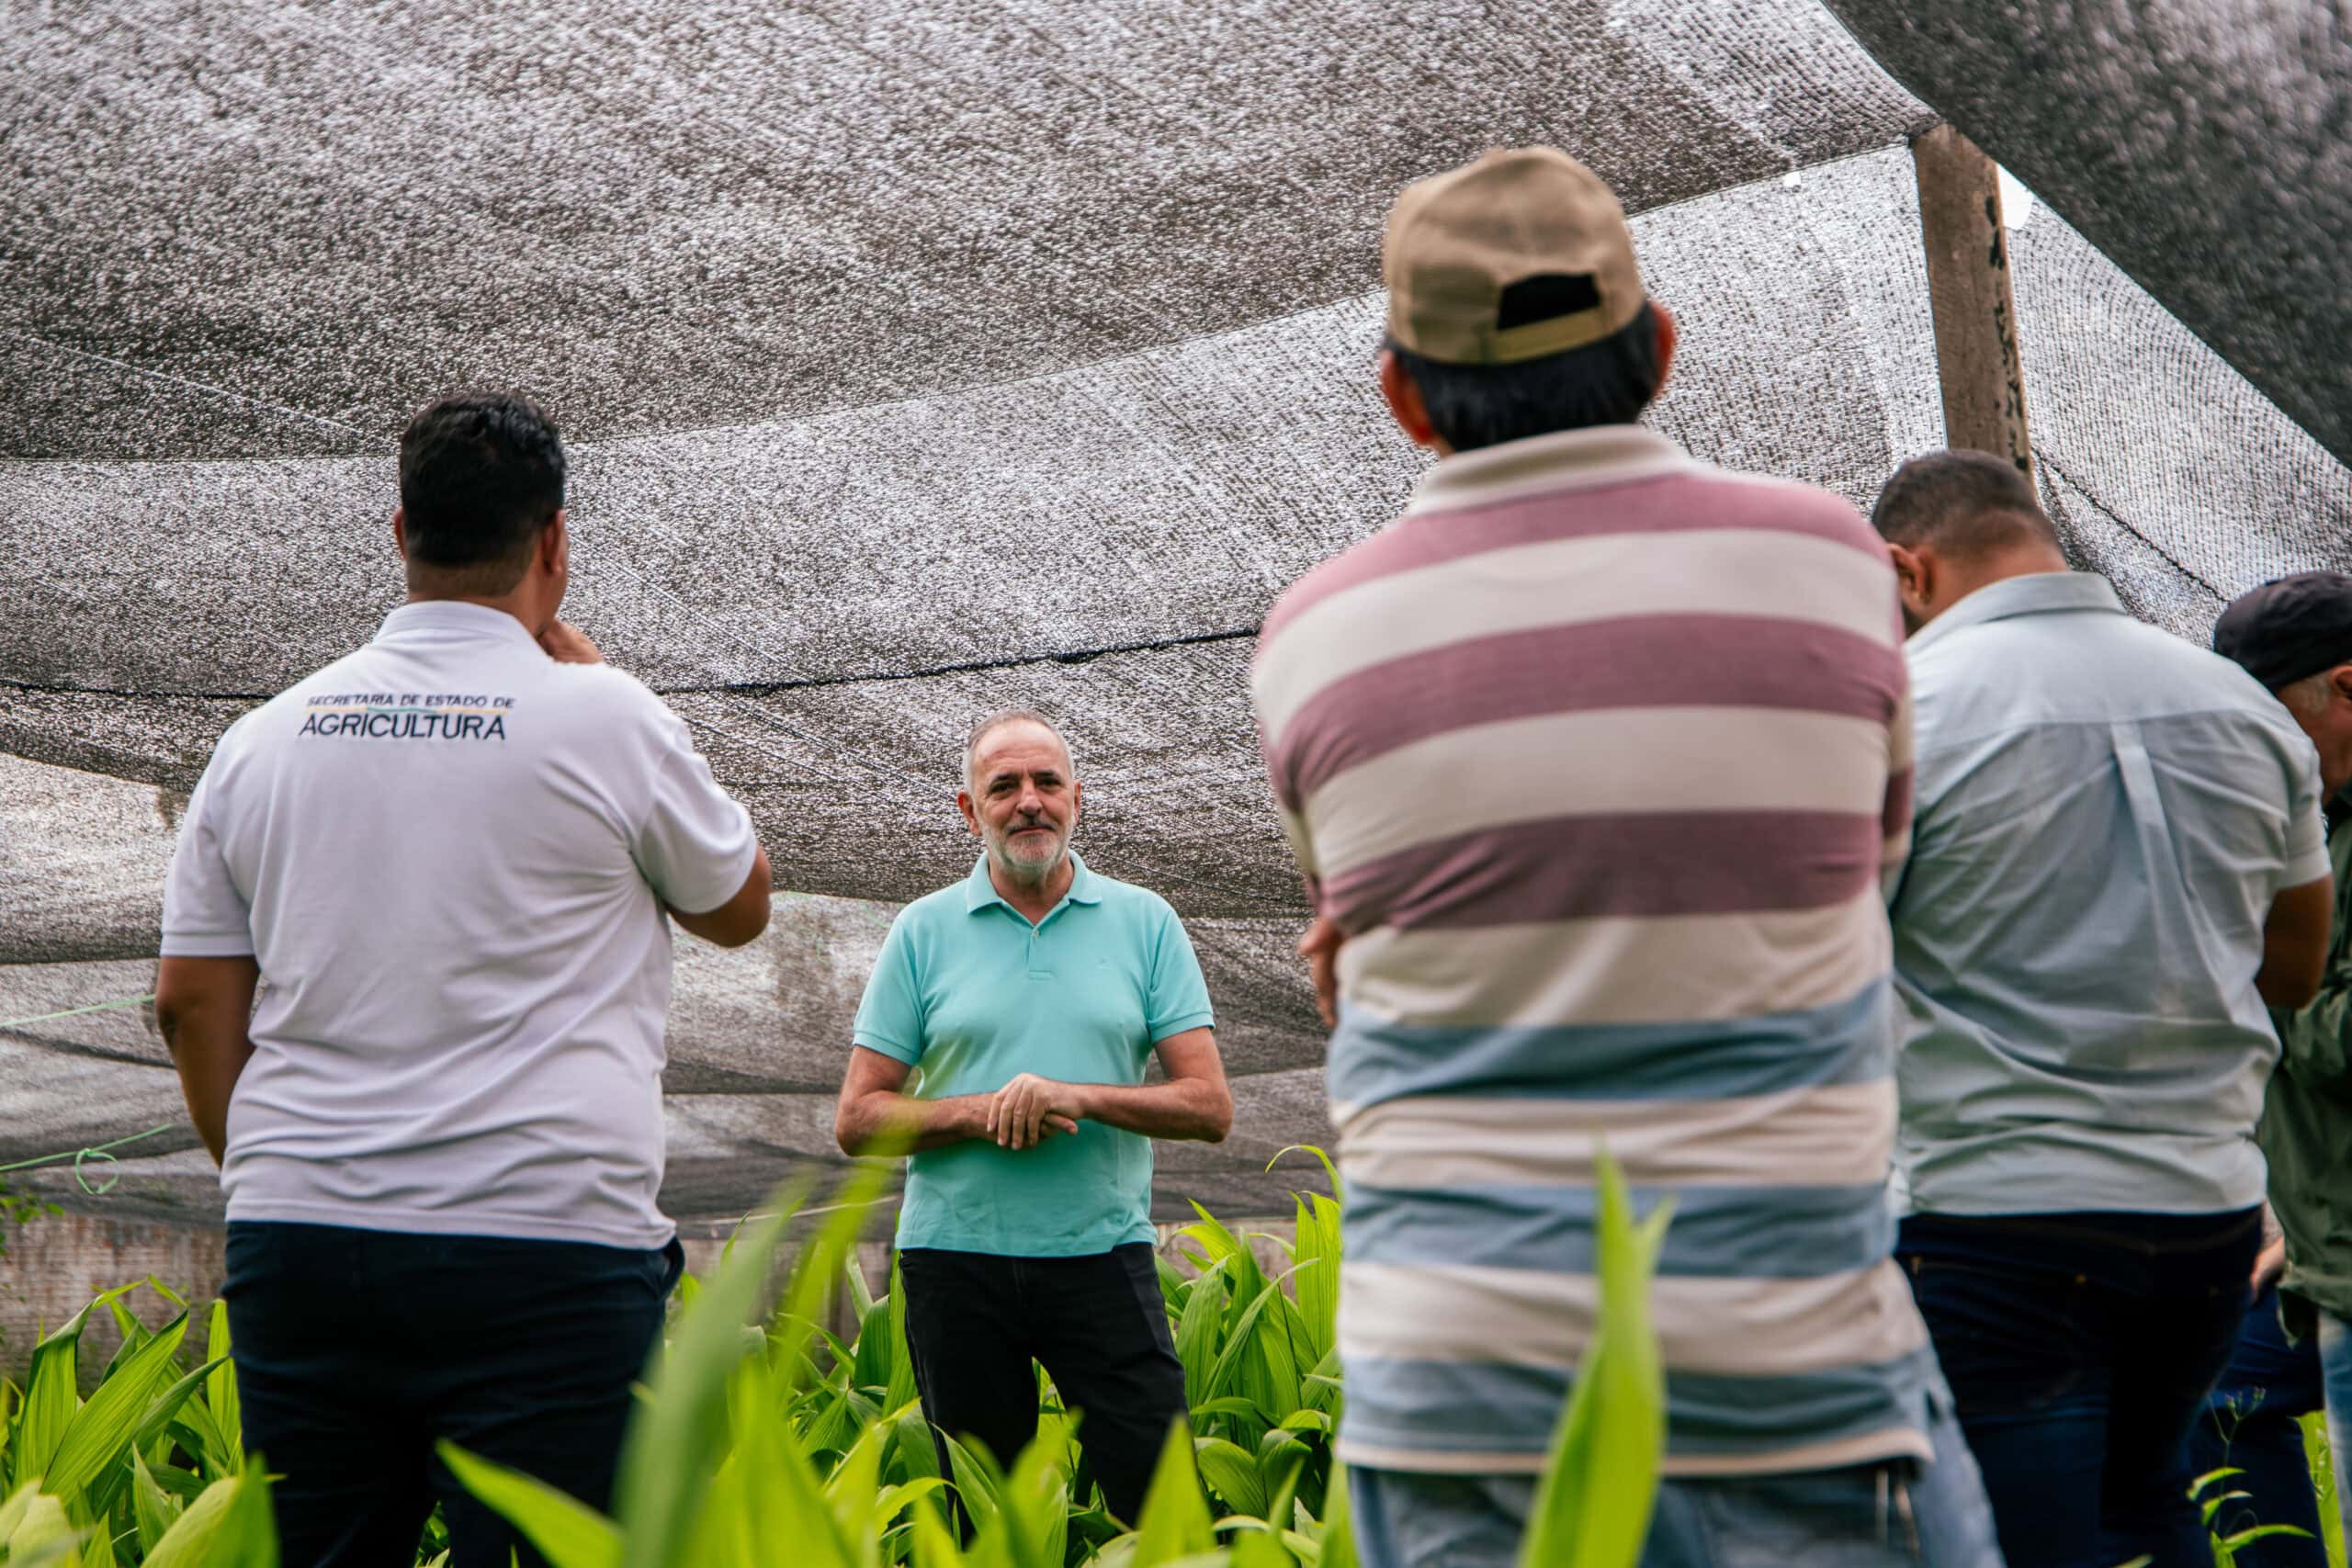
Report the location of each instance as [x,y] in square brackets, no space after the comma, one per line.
[730,688]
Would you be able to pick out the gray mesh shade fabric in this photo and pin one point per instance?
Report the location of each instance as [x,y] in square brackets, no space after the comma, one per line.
[2204,145]
[914,364]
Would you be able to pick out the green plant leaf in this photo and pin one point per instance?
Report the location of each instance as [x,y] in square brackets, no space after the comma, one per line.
[228,1527]
[43,1533]
[1592,1506]
[675,1446]
[153,1508]
[220,1391]
[1175,1523]
[1234,1474]
[105,1426]
[50,1397]
[568,1532]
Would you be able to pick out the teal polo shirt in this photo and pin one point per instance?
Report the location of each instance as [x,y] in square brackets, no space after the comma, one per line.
[970,994]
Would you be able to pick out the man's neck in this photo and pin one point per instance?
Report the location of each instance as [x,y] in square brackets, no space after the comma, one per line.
[522,603]
[1033,900]
[2024,560]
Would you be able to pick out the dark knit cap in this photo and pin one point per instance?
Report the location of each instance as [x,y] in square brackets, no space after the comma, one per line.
[2288,628]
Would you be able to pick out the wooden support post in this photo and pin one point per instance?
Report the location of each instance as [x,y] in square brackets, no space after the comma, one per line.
[1968,289]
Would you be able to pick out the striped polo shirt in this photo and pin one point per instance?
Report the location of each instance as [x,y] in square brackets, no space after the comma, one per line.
[1599,755]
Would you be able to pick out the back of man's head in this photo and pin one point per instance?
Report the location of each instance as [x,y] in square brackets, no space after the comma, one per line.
[1963,505]
[1514,303]
[482,473]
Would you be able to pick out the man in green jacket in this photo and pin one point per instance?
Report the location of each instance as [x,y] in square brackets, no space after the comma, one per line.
[2295,637]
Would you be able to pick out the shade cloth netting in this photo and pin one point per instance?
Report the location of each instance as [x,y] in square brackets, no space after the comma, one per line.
[920,359]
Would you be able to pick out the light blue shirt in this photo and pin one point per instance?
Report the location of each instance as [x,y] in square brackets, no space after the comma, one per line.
[2104,814]
[970,994]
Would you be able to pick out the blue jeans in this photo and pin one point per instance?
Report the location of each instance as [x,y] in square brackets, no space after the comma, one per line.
[2251,1423]
[2335,1367]
[1900,1514]
[2080,1347]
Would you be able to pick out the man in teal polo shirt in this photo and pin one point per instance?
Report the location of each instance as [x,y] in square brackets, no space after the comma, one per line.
[1029,996]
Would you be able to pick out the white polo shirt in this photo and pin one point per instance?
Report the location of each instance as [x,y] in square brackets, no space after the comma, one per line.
[448,854]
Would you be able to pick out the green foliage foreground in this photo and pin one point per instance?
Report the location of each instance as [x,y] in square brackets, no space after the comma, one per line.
[763,1439]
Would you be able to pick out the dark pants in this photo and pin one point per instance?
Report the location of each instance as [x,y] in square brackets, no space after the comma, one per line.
[1097,1322]
[357,1349]
[2251,1423]
[2080,1349]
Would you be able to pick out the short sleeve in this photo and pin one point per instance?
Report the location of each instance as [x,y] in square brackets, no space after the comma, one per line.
[1178,994]
[889,1016]
[205,914]
[2307,860]
[695,846]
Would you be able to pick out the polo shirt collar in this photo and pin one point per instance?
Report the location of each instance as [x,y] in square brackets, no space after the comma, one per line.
[446,616]
[2035,593]
[1599,454]
[979,890]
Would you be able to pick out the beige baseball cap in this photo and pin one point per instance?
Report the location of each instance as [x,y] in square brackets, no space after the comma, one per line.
[1523,253]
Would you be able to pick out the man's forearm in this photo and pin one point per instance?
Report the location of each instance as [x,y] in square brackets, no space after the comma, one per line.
[1189,1110]
[888,1122]
[204,1008]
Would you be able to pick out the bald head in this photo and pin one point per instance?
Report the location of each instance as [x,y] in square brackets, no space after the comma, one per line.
[976,738]
[1954,521]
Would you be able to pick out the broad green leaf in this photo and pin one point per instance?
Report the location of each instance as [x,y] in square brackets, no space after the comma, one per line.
[105,1426]
[902,1361]
[1337,1544]
[43,1533]
[568,1532]
[934,1543]
[675,1445]
[1240,1346]
[978,1480]
[1175,1522]
[152,1509]
[850,1490]
[1233,1473]
[221,1389]
[1592,1506]
[50,1397]
[1196,1329]
[189,1542]
[875,1353]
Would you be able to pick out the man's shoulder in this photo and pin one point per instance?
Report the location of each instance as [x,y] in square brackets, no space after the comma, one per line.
[932,912]
[1131,900]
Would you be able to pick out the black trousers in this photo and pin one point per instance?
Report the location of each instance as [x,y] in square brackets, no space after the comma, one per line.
[1097,1322]
[2080,1349]
[358,1350]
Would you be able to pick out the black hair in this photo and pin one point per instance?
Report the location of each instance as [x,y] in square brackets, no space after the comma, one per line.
[1963,502]
[480,474]
[1609,382]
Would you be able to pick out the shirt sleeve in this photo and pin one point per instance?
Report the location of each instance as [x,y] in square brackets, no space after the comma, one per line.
[1902,785]
[696,845]
[1178,999]
[205,913]
[889,1016]
[2307,860]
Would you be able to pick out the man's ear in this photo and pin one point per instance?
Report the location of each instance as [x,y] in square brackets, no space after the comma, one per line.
[963,804]
[2339,680]
[1405,405]
[399,532]
[1915,577]
[555,545]
[1668,334]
